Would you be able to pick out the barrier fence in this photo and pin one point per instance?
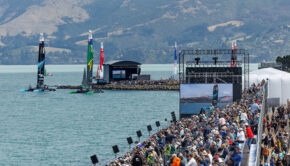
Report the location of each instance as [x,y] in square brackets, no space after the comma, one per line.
[260,126]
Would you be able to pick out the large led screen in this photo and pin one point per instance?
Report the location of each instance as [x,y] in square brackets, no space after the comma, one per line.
[118,74]
[195,97]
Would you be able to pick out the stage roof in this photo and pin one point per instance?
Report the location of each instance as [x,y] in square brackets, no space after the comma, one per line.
[121,63]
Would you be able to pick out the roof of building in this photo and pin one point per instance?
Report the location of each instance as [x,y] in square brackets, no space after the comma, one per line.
[121,62]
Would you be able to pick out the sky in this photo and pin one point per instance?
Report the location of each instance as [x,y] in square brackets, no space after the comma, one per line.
[197,90]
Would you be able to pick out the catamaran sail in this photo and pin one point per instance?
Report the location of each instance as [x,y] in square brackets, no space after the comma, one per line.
[102,56]
[84,82]
[88,73]
[41,63]
[90,61]
[40,87]
[100,66]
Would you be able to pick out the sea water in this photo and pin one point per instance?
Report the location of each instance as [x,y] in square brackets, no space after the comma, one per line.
[58,128]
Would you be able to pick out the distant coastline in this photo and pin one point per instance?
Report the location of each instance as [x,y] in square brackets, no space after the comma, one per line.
[206,99]
[60,68]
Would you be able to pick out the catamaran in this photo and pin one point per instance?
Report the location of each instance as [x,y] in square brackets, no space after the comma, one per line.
[87,81]
[40,86]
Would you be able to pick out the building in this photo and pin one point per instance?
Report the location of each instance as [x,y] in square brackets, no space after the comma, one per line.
[274,65]
[121,70]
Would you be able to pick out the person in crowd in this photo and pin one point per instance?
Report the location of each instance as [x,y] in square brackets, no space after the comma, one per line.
[249,135]
[151,158]
[191,160]
[279,162]
[137,159]
[175,161]
[225,151]
[236,159]
[182,160]
[272,161]
[265,153]
[244,117]
[240,137]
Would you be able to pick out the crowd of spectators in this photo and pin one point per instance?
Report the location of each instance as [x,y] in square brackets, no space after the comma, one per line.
[214,138]
[275,137]
[146,82]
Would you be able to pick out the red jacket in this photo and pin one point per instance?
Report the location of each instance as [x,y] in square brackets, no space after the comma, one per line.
[249,133]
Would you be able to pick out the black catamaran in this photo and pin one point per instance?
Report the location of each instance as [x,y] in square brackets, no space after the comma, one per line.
[40,86]
[88,73]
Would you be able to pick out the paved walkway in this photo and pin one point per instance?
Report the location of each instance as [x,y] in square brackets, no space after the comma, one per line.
[246,153]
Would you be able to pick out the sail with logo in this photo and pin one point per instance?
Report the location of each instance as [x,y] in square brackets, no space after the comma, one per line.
[40,86]
[87,82]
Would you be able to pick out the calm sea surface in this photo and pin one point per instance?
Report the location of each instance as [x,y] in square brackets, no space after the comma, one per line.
[58,128]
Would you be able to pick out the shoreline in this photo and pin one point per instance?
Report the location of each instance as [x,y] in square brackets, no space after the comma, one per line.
[125,87]
[152,85]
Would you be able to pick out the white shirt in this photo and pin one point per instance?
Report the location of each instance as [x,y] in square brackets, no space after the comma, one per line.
[210,158]
[241,136]
[219,143]
[181,132]
[192,162]
[244,116]
[222,121]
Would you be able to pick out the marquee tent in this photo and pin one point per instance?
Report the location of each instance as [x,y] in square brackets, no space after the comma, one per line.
[278,82]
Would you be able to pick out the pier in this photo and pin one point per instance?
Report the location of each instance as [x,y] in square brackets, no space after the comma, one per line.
[152,85]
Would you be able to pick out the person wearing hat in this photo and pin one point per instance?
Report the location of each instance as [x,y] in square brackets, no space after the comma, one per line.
[240,137]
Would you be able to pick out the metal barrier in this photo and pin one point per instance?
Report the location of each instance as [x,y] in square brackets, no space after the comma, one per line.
[260,126]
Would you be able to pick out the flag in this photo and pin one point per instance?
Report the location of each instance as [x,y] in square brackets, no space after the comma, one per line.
[102,56]
[175,58]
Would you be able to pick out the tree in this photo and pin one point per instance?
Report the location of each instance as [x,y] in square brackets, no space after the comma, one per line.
[285,60]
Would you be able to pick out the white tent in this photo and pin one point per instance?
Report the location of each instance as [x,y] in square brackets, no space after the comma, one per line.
[278,82]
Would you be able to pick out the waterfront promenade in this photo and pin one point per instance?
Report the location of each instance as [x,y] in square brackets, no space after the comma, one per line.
[216,138]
